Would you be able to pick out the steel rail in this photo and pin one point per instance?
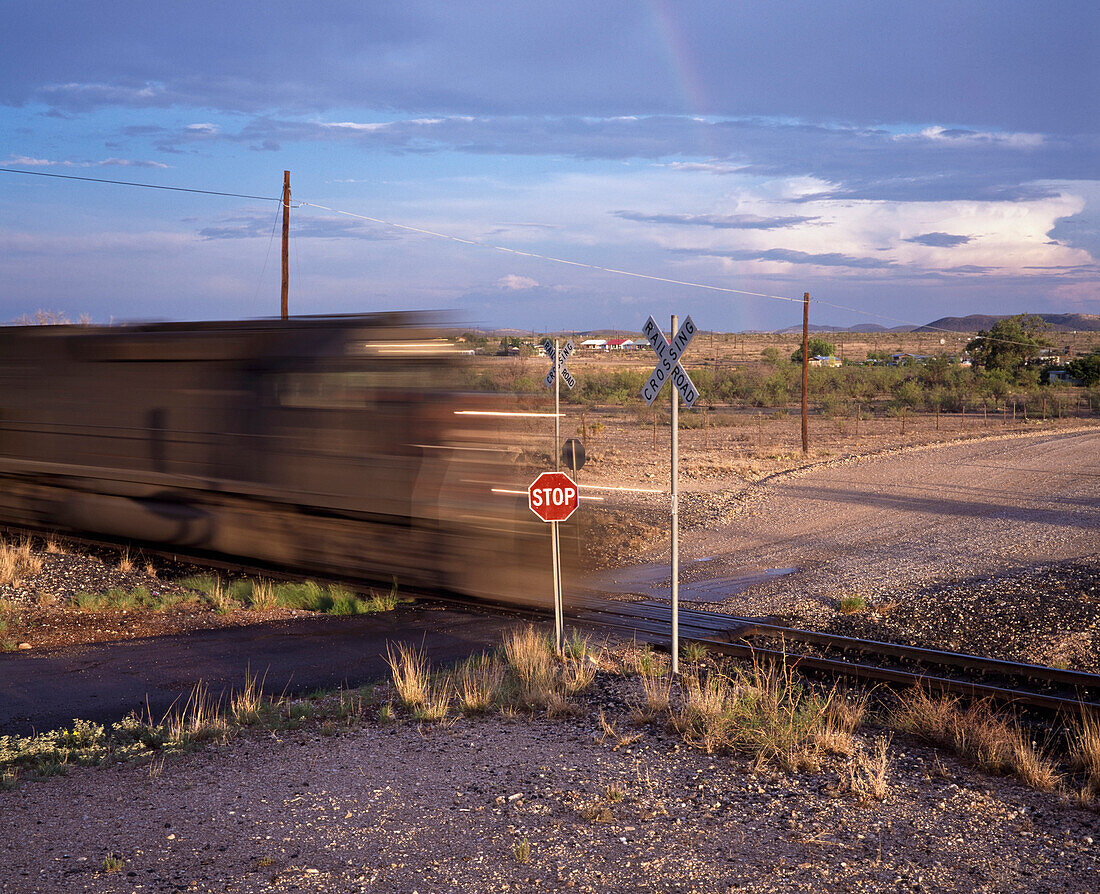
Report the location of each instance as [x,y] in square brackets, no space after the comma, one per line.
[723,634]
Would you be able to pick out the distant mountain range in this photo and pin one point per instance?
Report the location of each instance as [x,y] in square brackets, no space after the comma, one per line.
[971,323]
[974,322]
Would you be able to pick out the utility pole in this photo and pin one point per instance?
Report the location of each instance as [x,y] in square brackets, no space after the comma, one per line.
[805,371]
[286,245]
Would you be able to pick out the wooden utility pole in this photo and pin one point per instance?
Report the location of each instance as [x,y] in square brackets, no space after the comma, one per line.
[286,245]
[805,371]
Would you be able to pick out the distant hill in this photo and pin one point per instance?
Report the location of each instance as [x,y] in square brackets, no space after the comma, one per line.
[974,322]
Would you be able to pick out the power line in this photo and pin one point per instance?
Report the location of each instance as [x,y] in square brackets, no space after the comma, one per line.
[536,255]
[205,192]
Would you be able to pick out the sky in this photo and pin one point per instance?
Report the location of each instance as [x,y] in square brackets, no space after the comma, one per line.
[899,161]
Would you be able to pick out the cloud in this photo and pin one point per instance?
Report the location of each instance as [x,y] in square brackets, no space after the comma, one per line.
[939,240]
[305,227]
[718,221]
[514,282]
[484,58]
[789,256]
[840,161]
[24,161]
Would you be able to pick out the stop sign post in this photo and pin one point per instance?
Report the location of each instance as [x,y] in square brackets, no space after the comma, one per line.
[553,497]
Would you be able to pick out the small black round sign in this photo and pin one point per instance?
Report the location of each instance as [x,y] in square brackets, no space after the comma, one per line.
[572,454]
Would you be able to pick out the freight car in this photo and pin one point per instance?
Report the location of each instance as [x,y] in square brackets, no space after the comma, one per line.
[321,445]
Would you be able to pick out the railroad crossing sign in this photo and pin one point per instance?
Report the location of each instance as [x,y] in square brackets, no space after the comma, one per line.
[668,361]
[553,496]
[564,354]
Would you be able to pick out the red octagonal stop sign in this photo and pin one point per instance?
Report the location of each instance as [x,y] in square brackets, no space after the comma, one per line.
[553,496]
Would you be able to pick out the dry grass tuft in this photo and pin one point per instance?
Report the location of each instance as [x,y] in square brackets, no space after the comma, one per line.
[409,668]
[610,734]
[125,562]
[263,597]
[478,683]
[766,712]
[867,772]
[53,547]
[1084,749]
[531,660]
[656,696]
[976,733]
[200,720]
[16,562]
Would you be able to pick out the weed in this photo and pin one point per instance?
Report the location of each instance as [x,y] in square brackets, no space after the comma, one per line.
[577,674]
[17,562]
[262,597]
[113,863]
[246,703]
[576,646]
[867,773]
[478,682]
[53,546]
[693,652]
[613,793]
[768,713]
[1084,749]
[656,693]
[221,599]
[521,850]
[852,604]
[976,733]
[409,669]
[385,713]
[531,660]
[610,734]
[436,705]
[125,562]
[117,599]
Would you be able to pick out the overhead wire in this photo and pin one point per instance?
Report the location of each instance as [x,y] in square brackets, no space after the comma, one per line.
[206,192]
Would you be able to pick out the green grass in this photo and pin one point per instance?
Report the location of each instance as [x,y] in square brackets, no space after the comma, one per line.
[264,595]
[137,598]
[852,604]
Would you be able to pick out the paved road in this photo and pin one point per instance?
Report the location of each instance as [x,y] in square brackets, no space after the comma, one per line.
[105,681]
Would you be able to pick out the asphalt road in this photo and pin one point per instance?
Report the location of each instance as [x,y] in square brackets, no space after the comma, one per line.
[105,681]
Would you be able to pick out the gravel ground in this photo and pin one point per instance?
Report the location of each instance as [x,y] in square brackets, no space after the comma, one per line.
[401,807]
[976,538]
[989,546]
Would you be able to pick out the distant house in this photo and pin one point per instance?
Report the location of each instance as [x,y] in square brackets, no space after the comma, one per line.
[620,344]
[823,360]
[595,344]
[1061,377]
[903,359]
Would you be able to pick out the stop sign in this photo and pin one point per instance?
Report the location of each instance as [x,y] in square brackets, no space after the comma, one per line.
[553,496]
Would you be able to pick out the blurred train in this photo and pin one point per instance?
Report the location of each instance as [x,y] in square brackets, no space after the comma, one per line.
[324,445]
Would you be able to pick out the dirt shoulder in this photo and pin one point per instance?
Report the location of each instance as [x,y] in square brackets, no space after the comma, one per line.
[528,804]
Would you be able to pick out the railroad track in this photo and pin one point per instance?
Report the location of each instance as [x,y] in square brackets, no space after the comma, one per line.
[970,676]
[1033,685]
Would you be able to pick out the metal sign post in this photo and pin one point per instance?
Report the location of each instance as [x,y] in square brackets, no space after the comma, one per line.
[553,497]
[557,373]
[668,367]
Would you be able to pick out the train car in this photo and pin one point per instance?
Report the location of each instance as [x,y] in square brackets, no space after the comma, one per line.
[321,444]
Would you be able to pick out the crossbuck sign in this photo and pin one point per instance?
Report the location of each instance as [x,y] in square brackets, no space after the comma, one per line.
[668,361]
[564,354]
